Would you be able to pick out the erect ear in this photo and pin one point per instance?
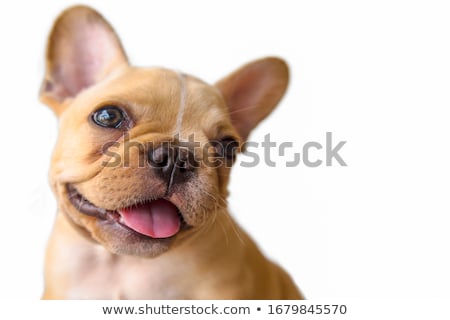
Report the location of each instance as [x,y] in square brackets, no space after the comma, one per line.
[253,91]
[82,49]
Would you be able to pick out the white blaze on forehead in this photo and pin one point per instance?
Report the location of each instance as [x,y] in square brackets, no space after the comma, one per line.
[182,104]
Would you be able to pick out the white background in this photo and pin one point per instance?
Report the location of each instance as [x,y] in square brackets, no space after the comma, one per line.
[376,74]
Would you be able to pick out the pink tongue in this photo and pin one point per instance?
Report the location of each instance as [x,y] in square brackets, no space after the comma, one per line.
[157,219]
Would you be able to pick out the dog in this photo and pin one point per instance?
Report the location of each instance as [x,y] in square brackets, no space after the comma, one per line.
[141,213]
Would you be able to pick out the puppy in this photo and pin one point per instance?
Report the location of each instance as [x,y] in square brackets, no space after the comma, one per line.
[140,172]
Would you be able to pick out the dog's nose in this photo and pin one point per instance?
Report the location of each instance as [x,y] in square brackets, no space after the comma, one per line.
[172,163]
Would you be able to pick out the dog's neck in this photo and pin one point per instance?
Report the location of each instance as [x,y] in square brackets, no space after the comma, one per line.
[215,248]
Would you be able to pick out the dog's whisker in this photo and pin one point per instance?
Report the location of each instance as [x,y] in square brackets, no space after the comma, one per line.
[219,201]
[237,110]
[222,227]
[216,198]
[234,228]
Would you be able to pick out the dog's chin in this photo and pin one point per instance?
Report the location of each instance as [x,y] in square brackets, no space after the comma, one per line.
[128,231]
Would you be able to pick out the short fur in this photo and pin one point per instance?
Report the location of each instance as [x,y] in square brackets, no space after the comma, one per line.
[90,258]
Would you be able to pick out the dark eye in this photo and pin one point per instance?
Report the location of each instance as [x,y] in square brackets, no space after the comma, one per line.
[109,117]
[227,148]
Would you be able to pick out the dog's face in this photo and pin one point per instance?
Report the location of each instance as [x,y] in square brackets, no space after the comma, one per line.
[143,156]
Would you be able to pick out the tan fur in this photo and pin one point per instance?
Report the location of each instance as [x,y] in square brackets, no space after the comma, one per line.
[87,259]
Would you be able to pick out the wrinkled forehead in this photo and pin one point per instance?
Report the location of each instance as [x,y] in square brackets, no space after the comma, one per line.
[203,106]
[180,104]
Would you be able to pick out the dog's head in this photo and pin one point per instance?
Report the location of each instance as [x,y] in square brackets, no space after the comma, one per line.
[143,156]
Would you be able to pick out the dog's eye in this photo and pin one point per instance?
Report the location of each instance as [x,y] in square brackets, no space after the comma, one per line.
[227,148]
[108,117]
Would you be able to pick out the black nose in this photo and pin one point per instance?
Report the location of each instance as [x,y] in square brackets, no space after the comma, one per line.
[172,163]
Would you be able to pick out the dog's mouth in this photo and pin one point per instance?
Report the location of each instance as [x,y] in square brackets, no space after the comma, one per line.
[157,219]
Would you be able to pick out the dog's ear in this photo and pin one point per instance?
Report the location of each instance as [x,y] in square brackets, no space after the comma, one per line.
[253,91]
[82,49]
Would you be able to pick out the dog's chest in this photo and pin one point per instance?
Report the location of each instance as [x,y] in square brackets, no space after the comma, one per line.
[104,276]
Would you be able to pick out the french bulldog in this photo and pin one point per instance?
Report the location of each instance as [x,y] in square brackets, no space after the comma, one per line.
[140,173]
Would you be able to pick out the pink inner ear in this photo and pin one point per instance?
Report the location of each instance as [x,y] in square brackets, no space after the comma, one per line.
[253,91]
[85,58]
[244,100]
[82,50]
